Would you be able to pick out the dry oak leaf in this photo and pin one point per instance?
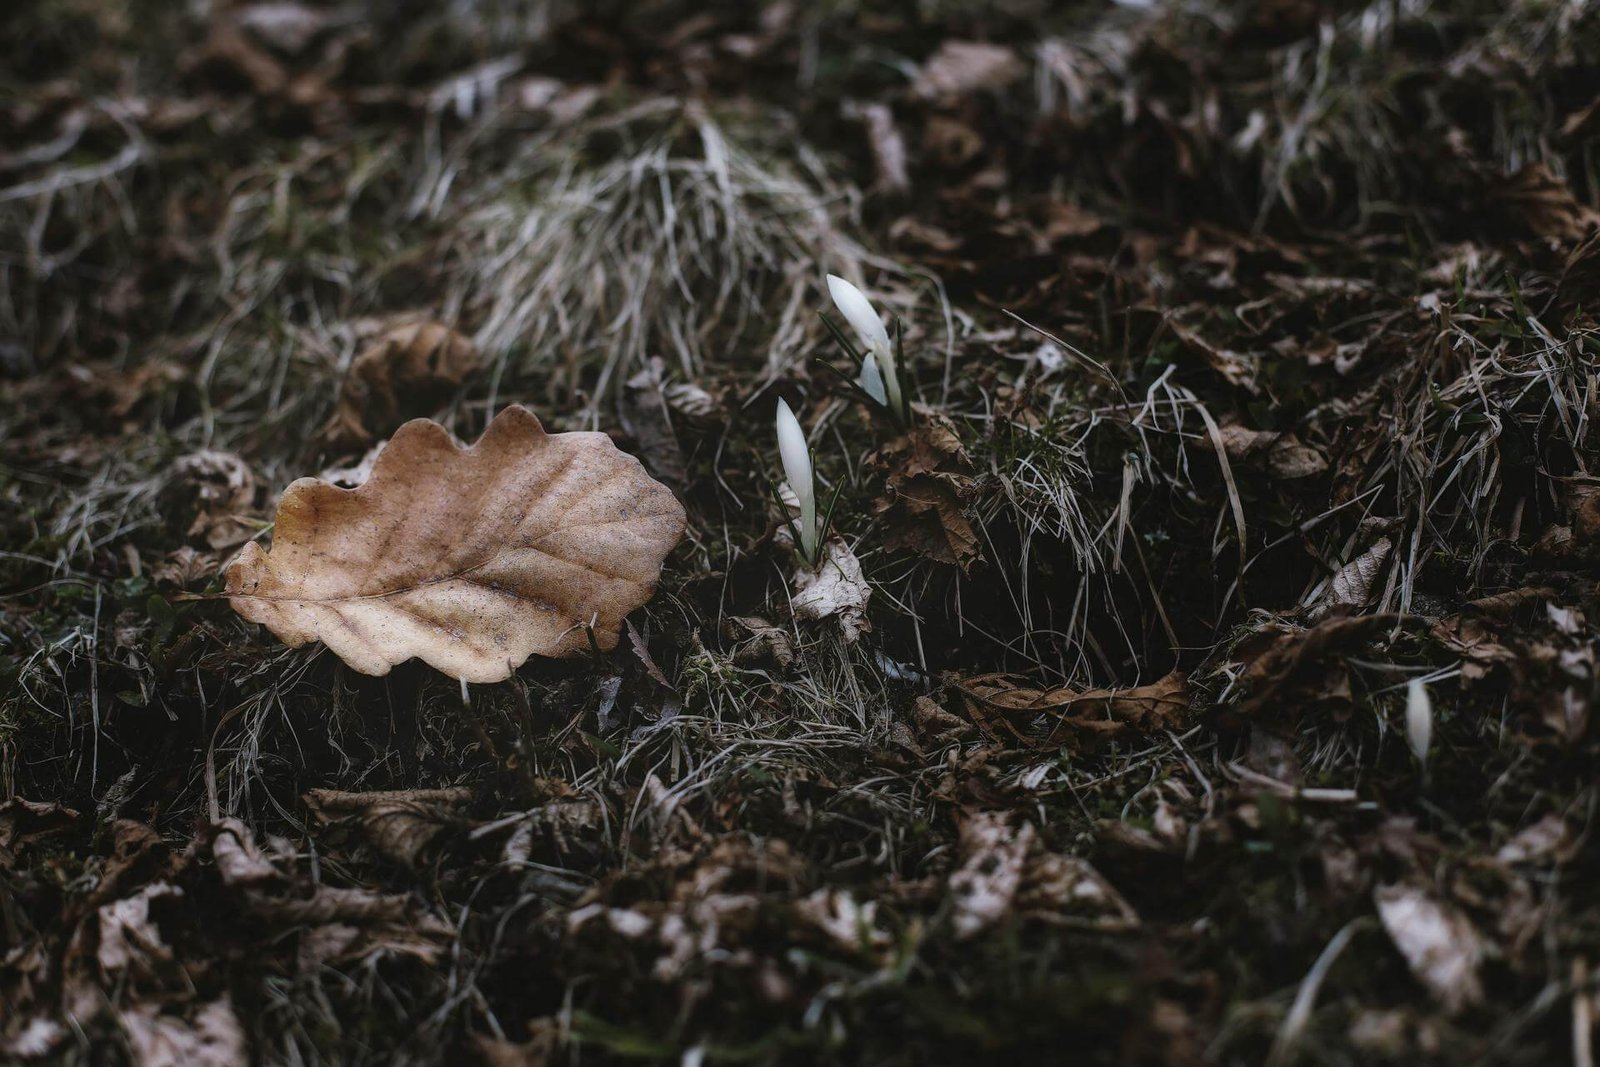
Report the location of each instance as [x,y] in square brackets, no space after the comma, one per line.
[471,559]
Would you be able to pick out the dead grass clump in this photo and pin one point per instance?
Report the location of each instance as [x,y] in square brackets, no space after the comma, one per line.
[660,230]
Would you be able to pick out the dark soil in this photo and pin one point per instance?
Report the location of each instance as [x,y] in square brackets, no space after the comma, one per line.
[1254,367]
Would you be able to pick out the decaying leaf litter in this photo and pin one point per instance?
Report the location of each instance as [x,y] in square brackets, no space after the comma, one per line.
[1250,357]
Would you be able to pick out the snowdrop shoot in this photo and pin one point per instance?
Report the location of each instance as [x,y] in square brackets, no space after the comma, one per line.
[880,378]
[1419,720]
[796,456]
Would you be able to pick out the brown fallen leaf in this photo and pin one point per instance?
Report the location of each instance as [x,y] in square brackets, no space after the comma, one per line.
[926,517]
[1068,891]
[471,559]
[409,370]
[926,490]
[1300,668]
[401,823]
[343,924]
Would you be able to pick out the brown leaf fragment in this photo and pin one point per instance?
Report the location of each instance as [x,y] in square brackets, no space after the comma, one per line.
[1505,605]
[938,727]
[407,371]
[1440,945]
[1479,646]
[644,415]
[926,492]
[1290,668]
[1236,368]
[400,824]
[539,1051]
[849,924]
[926,517]
[1283,455]
[210,1036]
[23,822]
[343,924]
[960,67]
[758,643]
[471,559]
[1090,714]
[1536,200]
[222,489]
[1580,278]
[1068,891]
[184,567]
[229,56]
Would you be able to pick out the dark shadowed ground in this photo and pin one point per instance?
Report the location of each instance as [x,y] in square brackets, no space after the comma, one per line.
[1253,352]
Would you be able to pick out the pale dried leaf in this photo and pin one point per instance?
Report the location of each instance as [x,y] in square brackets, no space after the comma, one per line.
[357,473]
[836,589]
[287,27]
[888,147]
[692,402]
[1548,839]
[1067,890]
[967,66]
[35,1040]
[644,416]
[212,1038]
[851,925]
[471,559]
[1352,585]
[984,887]
[129,938]
[1440,945]
[238,860]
